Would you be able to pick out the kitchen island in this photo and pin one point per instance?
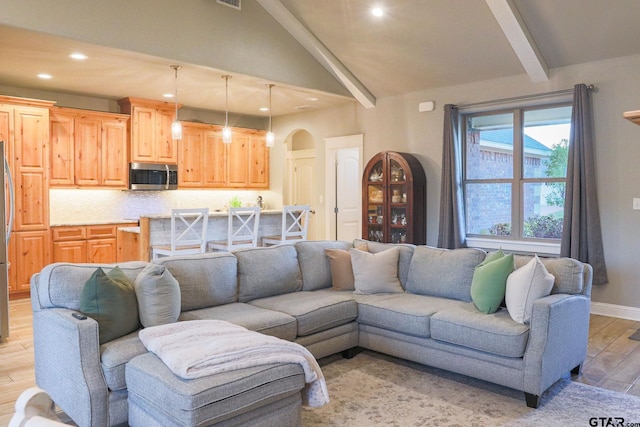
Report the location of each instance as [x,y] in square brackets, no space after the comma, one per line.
[156,229]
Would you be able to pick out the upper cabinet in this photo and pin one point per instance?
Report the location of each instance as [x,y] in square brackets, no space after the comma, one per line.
[206,162]
[88,148]
[150,130]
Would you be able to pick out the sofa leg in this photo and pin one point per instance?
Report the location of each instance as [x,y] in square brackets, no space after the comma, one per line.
[351,353]
[533,401]
[577,370]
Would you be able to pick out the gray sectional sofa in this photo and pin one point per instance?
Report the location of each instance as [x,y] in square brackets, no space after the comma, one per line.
[286,291]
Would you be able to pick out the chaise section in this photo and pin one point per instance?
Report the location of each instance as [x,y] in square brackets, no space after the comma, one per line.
[266,395]
[494,333]
[254,318]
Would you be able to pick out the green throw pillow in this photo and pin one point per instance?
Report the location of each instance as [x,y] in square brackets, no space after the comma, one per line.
[110,299]
[489,283]
[492,257]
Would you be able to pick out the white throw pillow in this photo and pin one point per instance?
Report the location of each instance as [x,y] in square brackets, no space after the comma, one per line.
[524,286]
[158,294]
[376,273]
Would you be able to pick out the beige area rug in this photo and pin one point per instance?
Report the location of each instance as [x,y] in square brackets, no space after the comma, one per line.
[376,390]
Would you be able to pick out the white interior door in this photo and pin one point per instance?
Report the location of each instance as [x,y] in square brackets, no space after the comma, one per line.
[303,188]
[344,187]
[348,194]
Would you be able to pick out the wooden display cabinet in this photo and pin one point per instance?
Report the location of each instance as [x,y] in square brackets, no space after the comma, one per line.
[394,199]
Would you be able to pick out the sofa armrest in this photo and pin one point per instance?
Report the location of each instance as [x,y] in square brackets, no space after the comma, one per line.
[558,338]
[67,364]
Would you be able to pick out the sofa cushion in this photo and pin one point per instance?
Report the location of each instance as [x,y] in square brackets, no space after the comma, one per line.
[254,318]
[405,313]
[158,294]
[315,267]
[206,280]
[265,272]
[568,273]
[524,286]
[495,333]
[375,273]
[404,259]
[115,354]
[443,272]
[60,284]
[489,282]
[110,299]
[314,311]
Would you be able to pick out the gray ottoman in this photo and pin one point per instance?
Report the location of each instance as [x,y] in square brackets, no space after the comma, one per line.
[267,396]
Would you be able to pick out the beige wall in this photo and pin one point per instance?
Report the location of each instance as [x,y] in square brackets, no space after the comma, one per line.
[396,124]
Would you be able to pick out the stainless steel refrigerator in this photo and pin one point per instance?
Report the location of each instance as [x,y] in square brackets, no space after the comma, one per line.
[6,209]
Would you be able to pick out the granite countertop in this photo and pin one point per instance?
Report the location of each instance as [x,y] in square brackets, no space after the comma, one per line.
[215,213]
[130,229]
[72,223]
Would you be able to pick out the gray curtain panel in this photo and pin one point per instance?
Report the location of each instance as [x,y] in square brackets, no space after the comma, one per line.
[451,234]
[581,234]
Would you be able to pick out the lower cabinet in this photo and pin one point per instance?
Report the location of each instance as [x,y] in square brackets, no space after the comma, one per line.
[31,255]
[86,243]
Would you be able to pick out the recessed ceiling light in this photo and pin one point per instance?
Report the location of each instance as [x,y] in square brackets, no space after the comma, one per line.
[312,98]
[45,76]
[168,95]
[78,56]
[264,108]
[377,11]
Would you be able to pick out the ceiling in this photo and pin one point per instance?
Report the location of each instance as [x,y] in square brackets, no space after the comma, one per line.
[417,45]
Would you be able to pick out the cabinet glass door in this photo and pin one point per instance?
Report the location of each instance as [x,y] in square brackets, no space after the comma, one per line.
[375,205]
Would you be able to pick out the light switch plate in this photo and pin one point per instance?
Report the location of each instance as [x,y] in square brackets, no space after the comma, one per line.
[636,204]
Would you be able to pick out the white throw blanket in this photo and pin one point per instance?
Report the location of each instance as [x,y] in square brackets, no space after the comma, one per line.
[198,348]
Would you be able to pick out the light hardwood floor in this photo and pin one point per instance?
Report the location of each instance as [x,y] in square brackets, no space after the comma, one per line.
[613,360]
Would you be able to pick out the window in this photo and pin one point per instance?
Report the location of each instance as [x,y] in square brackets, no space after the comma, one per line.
[514,176]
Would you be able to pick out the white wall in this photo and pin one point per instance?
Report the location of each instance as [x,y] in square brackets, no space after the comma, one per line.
[396,124]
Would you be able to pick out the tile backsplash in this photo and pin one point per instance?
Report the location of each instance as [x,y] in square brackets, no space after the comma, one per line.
[75,206]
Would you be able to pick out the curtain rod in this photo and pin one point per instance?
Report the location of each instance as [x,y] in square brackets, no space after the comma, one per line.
[521,98]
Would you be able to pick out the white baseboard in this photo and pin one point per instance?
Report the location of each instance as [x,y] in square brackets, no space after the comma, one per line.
[613,310]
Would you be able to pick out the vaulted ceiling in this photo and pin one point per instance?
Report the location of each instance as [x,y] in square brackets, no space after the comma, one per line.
[416,45]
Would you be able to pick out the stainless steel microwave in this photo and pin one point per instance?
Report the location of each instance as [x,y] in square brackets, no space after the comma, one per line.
[153,176]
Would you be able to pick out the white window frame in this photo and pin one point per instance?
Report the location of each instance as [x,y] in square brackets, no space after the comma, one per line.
[516,244]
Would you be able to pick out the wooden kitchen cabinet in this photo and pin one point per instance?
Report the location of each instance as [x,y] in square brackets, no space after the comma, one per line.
[206,162]
[150,130]
[202,157]
[86,243]
[248,160]
[215,159]
[31,255]
[88,149]
[24,126]
[191,167]
[258,161]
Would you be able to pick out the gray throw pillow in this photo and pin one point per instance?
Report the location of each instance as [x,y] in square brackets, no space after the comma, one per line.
[158,294]
[376,273]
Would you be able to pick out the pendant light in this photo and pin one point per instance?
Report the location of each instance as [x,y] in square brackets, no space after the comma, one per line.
[226,131]
[176,126]
[270,138]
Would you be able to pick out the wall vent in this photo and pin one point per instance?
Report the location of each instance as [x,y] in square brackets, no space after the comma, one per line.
[231,3]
